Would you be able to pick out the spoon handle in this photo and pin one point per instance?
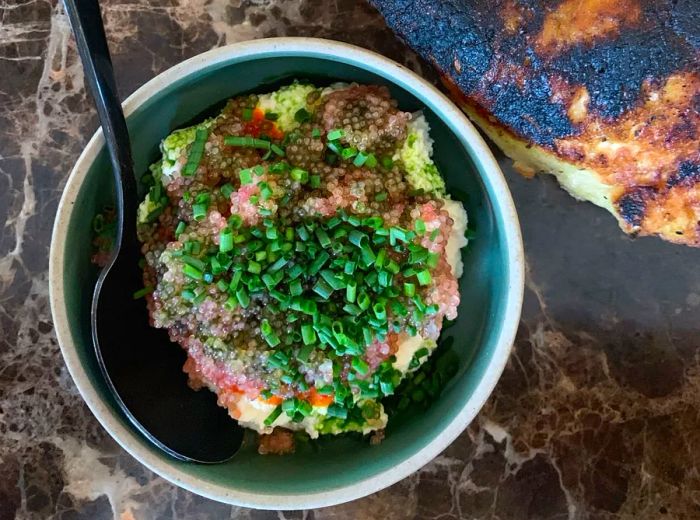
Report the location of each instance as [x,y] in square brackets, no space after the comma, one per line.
[86,22]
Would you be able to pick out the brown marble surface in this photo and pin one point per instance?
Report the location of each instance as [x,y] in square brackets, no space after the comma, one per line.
[596,416]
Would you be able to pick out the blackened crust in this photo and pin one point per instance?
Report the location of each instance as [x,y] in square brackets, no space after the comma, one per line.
[511,77]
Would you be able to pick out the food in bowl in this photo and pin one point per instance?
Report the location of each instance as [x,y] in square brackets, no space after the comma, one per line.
[302,249]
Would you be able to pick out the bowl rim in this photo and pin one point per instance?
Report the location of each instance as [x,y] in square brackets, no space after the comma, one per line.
[463,129]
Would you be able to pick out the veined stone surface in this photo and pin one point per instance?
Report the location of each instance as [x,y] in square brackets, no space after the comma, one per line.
[597,415]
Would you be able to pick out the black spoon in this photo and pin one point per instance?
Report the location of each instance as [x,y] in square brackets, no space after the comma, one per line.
[142,368]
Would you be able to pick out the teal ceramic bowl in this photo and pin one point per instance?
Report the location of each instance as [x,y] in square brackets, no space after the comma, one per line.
[330,470]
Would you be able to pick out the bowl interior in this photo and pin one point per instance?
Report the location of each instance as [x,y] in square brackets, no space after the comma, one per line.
[329,463]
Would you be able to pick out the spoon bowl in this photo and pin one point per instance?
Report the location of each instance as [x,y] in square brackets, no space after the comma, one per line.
[141,366]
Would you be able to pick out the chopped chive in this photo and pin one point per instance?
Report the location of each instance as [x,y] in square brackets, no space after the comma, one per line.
[322,289]
[295,271]
[246,176]
[270,419]
[419,226]
[367,335]
[199,211]
[424,277]
[332,280]
[180,229]
[357,238]
[299,175]
[349,267]
[226,190]
[384,278]
[279,167]
[225,240]
[360,366]
[278,264]
[309,307]
[235,279]
[335,134]
[302,115]
[305,351]
[409,289]
[432,260]
[318,262]
[323,238]
[392,267]
[387,162]
[379,261]
[363,301]
[192,272]
[303,233]
[269,281]
[315,181]
[371,161]
[254,267]
[348,153]
[351,292]
[142,292]
[360,159]
[271,116]
[268,334]
[316,133]
[242,297]
[265,190]
[247,114]
[235,221]
[196,152]
[277,150]
[246,142]
[373,222]
[432,309]
[308,335]
[295,288]
[379,311]
[335,410]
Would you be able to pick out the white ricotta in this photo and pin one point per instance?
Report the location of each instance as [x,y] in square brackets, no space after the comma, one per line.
[456,241]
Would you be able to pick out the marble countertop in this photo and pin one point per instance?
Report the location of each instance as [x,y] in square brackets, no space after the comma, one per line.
[597,415]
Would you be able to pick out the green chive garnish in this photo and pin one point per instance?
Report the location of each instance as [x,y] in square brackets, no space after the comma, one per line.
[424,277]
[302,115]
[180,229]
[299,175]
[360,366]
[247,142]
[270,419]
[308,335]
[192,272]
[268,334]
[335,134]
[225,240]
[246,176]
[143,292]
[196,152]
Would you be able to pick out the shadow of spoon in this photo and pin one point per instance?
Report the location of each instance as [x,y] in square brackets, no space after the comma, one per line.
[141,366]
